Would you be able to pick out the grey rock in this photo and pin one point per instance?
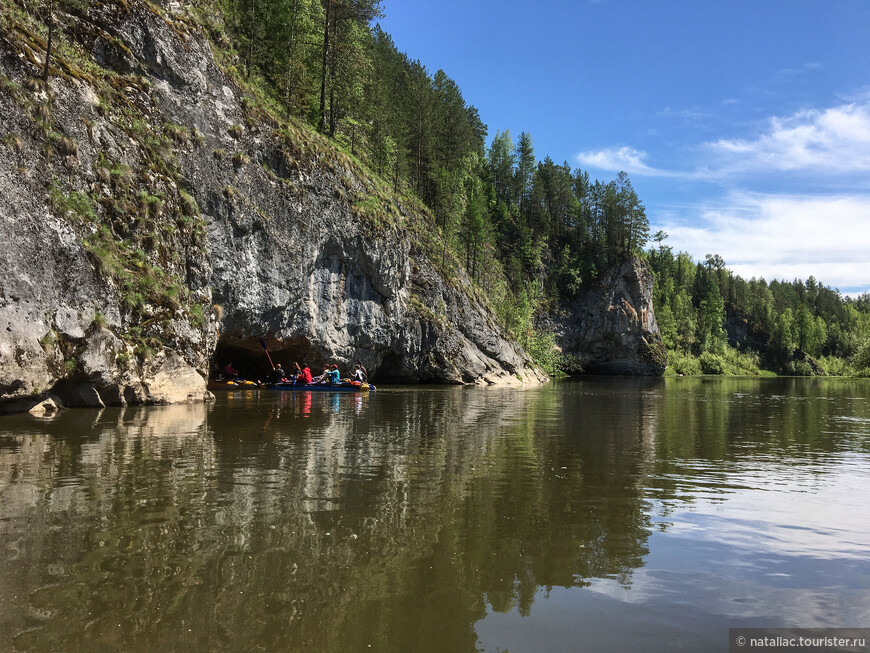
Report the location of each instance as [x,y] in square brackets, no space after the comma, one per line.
[611,329]
[286,259]
[67,322]
[45,407]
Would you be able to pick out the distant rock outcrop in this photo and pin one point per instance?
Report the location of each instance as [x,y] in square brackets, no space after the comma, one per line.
[611,328]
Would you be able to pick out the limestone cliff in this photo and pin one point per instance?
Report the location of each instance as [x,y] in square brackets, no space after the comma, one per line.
[154,218]
[611,328]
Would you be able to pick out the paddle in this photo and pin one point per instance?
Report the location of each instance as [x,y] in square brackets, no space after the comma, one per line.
[263,342]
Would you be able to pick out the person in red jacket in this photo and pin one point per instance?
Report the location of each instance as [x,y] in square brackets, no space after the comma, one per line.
[304,376]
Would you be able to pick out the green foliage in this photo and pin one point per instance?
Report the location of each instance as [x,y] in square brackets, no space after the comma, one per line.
[188,204]
[711,363]
[788,321]
[541,346]
[197,314]
[75,204]
[683,364]
[836,366]
[728,361]
[178,134]
[861,358]
[48,340]
[711,317]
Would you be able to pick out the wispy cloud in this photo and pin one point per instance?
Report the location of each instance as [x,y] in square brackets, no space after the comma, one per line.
[827,142]
[791,232]
[628,159]
[784,236]
[834,140]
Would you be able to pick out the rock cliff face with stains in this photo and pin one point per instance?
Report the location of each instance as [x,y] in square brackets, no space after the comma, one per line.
[155,221]
[612,329]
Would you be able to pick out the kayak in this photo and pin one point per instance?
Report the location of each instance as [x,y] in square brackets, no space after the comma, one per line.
[324,387]
[232,385]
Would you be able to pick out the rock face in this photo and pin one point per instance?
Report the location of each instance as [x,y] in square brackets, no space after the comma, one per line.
[160,168]
[612,329]
[154,222]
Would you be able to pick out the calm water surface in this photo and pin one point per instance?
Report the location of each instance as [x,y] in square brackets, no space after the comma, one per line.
[598,515]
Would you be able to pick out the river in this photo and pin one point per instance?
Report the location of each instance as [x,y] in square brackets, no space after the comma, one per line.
[601,514]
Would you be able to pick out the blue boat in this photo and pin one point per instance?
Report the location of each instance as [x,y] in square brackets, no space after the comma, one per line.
[322,387]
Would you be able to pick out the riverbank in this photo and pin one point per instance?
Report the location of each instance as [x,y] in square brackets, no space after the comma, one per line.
[731,361]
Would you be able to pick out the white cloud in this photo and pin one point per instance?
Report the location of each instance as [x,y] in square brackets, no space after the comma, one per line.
[835,140]
[628,159]
[784,237]
[789,231]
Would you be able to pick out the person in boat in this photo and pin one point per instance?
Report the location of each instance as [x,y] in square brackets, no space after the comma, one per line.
[324,376]
[334,375]
[304,376]
[365,373]
[278,374]
[230,372]
[359,375]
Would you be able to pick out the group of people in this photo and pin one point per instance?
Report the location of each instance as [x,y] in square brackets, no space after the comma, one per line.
[329,376]
[303,376]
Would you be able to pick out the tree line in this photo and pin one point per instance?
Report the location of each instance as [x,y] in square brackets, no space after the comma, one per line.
[796,327]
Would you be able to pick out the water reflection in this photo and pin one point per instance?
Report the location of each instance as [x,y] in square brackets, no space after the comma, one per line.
[415,519]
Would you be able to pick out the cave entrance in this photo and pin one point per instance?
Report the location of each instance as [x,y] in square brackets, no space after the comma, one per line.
[247,355]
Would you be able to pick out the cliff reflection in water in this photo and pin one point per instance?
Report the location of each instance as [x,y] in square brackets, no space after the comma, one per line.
[312,522]
[308,521]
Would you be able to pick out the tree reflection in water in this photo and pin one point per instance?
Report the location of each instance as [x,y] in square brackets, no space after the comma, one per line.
[309,521]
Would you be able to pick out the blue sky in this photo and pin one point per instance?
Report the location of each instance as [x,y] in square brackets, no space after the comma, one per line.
[743,124]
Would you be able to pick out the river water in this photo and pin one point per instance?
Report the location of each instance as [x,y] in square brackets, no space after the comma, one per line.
[599,514]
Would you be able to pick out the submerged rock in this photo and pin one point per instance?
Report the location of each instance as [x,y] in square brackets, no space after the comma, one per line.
[46,407]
